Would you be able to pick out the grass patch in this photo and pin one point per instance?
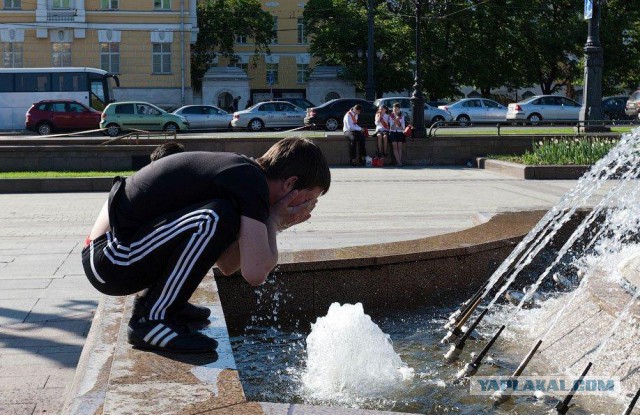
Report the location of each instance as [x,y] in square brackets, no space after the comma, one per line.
[577,151]
[61,174]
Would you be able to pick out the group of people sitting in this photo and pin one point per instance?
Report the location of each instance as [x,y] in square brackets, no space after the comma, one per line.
[390,128]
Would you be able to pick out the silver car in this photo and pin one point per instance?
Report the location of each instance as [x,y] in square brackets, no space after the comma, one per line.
[270,114]
[476,110]
[204,117]
[544,107]
[431,114]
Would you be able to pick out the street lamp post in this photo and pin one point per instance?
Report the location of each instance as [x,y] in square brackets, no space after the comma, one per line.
[417,99]
[370,87]
[592,93]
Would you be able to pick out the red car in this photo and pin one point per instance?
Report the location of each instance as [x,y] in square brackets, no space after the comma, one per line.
[45,117]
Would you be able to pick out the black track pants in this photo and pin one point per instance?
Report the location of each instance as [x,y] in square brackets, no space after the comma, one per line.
[170,256]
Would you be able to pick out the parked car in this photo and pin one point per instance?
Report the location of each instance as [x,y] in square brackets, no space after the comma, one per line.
[203,117]
[632,108]
[330,114]
[136,115]
[299,102]
[544,107]
[473,110]
[614,107]
[431,114]
[45,117]
[270,114]
[436,103]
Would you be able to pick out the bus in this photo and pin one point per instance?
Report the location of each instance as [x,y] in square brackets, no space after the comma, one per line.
[21,87]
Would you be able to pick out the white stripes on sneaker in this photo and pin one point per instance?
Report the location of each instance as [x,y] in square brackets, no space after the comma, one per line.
[206,222]
[159,333]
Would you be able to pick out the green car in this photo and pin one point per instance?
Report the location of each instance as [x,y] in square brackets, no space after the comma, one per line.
[142,116]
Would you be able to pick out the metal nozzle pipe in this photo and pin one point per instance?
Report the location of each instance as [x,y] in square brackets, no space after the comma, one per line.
[632,403]
[471,368]
[456,331]
[464,307]
[526,360]
[503,395]
[455,350]
[563,407]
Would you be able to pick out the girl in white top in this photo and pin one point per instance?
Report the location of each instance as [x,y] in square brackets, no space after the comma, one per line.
[382,130]
[396,132]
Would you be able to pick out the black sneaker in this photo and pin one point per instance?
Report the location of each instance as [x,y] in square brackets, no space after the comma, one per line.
[189,313]
[167,336]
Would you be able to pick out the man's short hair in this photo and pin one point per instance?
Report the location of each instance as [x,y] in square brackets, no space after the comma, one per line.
[357,107]
[165,149]
[297,156]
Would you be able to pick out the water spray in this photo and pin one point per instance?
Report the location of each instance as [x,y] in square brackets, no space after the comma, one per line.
[457,331]
[470,369]
[563,407]
[632,403]
[455,350]
[504,395]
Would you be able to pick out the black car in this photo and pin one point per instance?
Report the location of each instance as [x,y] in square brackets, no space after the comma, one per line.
[330,114]
[299,102]
[613,107]
[632,108]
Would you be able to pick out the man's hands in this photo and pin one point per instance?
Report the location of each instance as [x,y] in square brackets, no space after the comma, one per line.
[293,208]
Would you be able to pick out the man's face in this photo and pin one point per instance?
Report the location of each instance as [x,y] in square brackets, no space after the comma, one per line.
[305,195]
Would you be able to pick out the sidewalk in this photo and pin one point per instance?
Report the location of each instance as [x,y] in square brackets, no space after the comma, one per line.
[46,303]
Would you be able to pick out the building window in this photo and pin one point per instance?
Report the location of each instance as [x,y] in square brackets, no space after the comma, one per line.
[61,54]
[12,4]
[162,4]
[303,73]
[12,55]
[274,40]
[61,4]
[109,4]
[272,73]
[302,35]
[162,58]
[110,57]
[241,39]
[243,66]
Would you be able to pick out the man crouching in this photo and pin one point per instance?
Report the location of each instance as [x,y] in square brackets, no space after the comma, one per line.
[164,227]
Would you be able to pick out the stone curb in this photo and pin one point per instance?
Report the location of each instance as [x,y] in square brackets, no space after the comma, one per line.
[56,185]
[524,172]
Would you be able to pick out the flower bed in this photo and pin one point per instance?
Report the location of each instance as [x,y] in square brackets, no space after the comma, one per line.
[562,152]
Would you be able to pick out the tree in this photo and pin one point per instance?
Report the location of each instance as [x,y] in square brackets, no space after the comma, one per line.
[338,30]
[620,38]
[219,21]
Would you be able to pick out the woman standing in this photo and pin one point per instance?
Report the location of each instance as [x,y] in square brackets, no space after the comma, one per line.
[396,132]
[382,130]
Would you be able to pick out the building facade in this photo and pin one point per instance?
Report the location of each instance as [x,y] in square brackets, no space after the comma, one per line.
[147,43]
[287,72]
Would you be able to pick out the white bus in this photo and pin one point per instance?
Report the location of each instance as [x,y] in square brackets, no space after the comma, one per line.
[21,87]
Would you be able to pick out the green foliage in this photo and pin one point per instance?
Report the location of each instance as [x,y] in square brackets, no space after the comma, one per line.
[578,151]
[219,21]
[487,44]
[339,29]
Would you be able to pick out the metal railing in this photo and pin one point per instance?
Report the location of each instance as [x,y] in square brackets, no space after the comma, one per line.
[65,15]
[580,127]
